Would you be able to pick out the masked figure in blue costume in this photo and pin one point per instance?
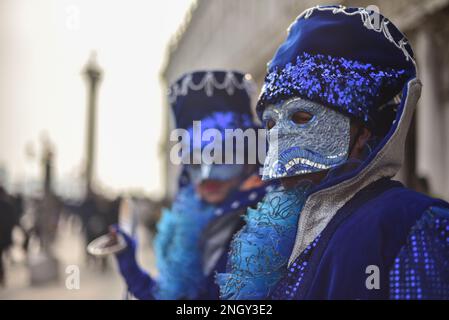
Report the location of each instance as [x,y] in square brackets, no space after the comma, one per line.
[193,236]
[338,100]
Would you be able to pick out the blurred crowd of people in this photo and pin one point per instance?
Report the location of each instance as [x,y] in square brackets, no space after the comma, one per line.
[32,223]
[11,209]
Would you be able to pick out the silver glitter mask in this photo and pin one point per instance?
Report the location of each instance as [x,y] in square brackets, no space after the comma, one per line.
[294,149]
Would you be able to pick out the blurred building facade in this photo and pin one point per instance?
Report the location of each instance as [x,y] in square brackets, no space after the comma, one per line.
[244,34]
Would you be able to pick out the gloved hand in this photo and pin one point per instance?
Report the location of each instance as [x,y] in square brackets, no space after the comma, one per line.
[139,283]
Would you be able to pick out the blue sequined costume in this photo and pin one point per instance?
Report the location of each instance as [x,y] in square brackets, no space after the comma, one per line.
[401,232]
[359,235]
[421,269]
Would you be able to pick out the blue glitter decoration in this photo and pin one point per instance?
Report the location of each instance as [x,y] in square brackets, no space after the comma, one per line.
[351,87]
[288,287]
[421,270]
[221,121]
[260,250]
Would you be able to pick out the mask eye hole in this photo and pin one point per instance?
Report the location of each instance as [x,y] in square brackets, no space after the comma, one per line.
[301,117]
[270,123]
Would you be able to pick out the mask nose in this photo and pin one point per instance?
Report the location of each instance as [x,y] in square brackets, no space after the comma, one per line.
[279,133]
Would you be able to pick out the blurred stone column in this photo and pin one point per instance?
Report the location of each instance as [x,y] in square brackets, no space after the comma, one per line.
[93,76]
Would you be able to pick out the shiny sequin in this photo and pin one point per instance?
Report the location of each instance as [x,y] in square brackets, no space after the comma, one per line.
[220,121]
[288,287]
[421,270]
[351,87]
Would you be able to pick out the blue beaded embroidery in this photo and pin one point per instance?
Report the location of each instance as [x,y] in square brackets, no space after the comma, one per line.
[421,270]
[351,87]
[288,287]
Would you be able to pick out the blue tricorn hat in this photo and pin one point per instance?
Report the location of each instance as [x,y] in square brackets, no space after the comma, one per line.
[351,59]
[201,95]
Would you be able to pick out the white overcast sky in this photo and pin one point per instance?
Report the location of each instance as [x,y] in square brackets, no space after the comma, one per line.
[43,47]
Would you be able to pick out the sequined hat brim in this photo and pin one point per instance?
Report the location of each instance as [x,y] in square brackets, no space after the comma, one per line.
[351,87]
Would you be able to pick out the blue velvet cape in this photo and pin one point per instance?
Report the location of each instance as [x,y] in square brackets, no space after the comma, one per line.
[402,232]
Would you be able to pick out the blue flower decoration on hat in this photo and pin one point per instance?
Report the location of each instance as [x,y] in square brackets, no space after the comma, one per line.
[221,121]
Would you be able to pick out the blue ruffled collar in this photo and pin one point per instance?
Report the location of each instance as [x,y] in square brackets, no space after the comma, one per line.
[260,250]
[176,246]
